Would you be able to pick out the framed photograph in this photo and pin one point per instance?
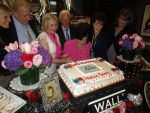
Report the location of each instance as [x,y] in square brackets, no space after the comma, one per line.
[145,29]
[50,91]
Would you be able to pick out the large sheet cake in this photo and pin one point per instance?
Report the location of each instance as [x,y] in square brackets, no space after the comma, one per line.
[86,76]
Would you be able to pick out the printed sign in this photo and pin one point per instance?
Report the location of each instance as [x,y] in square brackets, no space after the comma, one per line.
[104,103]
[88,68]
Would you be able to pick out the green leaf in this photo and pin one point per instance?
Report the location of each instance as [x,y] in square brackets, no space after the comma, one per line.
[21,71]
[41,70]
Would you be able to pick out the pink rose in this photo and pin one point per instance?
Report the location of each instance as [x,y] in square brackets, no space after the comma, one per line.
[124,36]
[138,38]
[120,42]
[37,60]
[27,64]
[135,45]
[34,50]
[142,44]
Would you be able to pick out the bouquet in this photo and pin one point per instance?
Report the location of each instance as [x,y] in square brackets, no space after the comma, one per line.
[131,41]
[22,58]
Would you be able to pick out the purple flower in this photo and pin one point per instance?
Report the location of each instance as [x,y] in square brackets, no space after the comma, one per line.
[19,59]
[131,41]
[12,60]
[46,57]
[128,44]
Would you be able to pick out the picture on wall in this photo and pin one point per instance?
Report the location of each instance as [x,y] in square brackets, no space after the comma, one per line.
[145,29]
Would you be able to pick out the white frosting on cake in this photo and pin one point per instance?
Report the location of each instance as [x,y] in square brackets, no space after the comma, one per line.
[85,76]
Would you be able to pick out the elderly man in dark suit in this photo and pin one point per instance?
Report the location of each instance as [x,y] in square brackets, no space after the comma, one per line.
[21,28]
[66,31]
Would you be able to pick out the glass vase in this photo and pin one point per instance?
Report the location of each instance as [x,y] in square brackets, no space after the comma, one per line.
[30,78]
[128,54]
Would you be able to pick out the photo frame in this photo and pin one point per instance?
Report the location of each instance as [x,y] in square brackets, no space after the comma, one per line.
[50,91]
[145,28]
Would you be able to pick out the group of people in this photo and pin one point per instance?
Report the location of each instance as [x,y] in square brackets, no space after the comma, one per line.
[64,42]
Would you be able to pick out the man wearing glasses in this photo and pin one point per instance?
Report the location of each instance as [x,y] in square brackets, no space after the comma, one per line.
[22,28]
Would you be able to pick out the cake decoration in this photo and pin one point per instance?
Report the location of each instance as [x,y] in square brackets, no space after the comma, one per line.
[101,60]
[76,81]
[114,69]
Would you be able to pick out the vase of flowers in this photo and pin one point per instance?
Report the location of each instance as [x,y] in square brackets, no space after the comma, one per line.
[128,54]
[31,77]
[130,43]
[26,60]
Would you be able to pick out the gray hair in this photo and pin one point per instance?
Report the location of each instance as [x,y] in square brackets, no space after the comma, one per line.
[64,13]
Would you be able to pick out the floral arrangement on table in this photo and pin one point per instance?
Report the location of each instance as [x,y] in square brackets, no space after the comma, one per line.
[131,41]
[26,58]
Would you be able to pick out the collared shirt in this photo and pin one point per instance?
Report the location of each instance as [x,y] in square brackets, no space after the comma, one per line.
[22,31]
[64,30]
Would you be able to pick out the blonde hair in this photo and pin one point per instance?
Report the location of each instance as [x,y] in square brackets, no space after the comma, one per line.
[17,4]
[4,8]
[45,20]
[64,13]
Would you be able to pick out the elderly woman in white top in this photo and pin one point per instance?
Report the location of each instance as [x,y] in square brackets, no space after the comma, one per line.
[50,41]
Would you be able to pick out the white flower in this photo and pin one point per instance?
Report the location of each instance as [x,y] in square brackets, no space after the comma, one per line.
[26,48]
[12,46]
[37,60]
[35,43]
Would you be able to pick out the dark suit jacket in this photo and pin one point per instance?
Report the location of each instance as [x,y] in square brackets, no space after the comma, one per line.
[11,33]
[73,33]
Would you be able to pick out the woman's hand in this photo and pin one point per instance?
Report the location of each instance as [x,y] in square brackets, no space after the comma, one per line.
[66,59]
[62,60]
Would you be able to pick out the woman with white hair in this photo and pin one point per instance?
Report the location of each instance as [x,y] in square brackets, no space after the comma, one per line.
[50,41]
